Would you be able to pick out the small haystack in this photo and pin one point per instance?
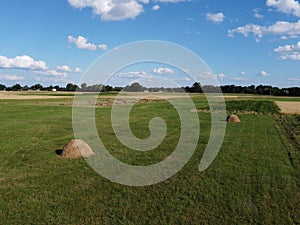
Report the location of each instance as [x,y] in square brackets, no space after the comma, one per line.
[233,119]
[71,149]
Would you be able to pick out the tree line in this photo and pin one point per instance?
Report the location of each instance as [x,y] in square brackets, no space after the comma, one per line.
[136,87]
[233,89]
[68,87]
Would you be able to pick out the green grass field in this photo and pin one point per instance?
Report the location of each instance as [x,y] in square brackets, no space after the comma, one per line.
[255,178]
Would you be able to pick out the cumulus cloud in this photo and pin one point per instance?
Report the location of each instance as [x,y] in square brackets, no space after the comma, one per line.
[112,10]
[82,43]
[282,28]
[77,70]
[39,67]
[163,71]
[133,74]
[215,17]
[51,73]
[257,15]
[291,52]
[155,7]
[238,79]
[242,73]
[11,77]
[117,10]
[285,6]
[53,79]
[67,69]
[263,73]
[64,68]
[103,47]
[221,76]
[21,62]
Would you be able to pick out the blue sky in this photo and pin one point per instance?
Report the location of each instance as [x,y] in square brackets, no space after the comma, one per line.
[243,42]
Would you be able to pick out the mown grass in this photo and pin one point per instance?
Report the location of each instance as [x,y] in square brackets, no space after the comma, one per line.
[289,125]
[244,106]
[252,180]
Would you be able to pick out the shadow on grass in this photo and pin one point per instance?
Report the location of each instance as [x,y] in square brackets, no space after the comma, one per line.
[59,152]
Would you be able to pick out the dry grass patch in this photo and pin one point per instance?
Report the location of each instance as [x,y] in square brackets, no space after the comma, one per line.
[289,107]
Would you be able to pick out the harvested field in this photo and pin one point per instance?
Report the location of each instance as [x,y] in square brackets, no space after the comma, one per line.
[253,180]
[21,96]
[289,107]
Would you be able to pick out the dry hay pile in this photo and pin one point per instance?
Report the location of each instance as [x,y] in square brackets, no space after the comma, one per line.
[76,149]
[233,119]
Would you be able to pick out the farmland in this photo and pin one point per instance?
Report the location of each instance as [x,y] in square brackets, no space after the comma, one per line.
[254,178]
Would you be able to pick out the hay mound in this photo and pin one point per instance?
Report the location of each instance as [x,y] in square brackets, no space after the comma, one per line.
[233,119]
[76,149]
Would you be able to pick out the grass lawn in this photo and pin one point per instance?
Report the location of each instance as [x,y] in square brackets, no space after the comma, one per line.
[254,179]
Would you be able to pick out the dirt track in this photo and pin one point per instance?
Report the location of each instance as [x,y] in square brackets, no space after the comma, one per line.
[21,96]
[289,107]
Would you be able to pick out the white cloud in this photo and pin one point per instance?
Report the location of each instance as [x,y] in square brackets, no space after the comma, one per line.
[163,71]
[242,73]
[291,52]
[53,79]
[111,10]
[50,73]
[282,28]
[77,70]
[116,10]
[11,77]
[133,74]
[103,47]
[285,6]
[263,73]
[21,62]
[155,7]
[215,18]
[190,19]
[64,68]
[238,79]
[67,69]
[257,15]
[221,76]
[82,43]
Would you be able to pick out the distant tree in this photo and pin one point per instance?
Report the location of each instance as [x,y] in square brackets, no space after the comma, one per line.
[134,87]
[83,86]
[71,87]
[36,87]
[97,88]
[58,88]
[2,87]
[108,88]
[17,87]
[118,89]
[49,88]
[25,88]
[294,91]
[196,88]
